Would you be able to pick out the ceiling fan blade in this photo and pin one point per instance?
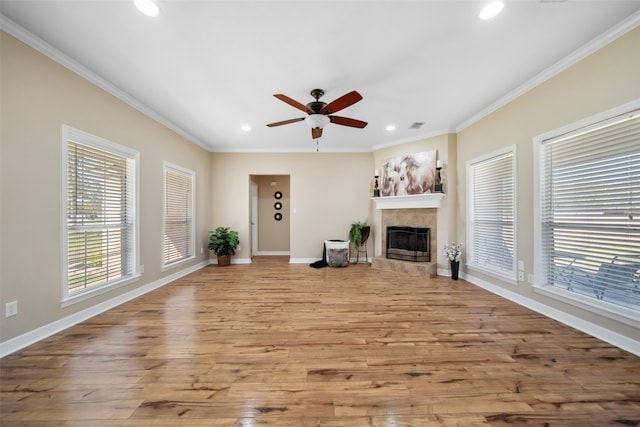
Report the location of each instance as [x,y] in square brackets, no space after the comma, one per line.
[316,133]
[346,121]
[293,103]
[343,102]
[285,122]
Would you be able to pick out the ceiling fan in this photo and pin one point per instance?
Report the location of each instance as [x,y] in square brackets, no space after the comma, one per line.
[320,113]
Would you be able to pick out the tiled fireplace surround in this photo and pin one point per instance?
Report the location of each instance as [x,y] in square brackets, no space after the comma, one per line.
[394,212]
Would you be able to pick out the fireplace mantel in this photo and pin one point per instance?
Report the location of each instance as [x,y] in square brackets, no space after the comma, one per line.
[415,201]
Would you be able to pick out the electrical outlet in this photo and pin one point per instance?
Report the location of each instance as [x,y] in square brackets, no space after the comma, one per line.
[520,276]
[520,265]
[201,251]
[11,309]
[530,278]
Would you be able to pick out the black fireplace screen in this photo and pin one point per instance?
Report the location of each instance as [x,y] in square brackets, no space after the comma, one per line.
[408,243]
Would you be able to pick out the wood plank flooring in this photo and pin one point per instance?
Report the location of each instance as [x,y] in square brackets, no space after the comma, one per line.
[274,344]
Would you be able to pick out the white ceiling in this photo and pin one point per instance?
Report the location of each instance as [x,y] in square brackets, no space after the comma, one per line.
[205,68]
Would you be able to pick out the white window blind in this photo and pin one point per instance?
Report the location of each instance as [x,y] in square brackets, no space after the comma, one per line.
[100,212]
[492,208]
[178,214]
[590,211]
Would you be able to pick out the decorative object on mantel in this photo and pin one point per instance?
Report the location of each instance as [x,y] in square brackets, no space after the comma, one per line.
[408,175]
[438,186]
[223,242]
[453,253]
[376,189]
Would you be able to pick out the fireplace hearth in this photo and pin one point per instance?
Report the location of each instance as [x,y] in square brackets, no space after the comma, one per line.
[407,243]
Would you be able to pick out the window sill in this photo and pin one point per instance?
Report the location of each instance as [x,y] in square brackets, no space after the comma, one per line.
[602,308]
[99,290]
[178,263]
[504,277]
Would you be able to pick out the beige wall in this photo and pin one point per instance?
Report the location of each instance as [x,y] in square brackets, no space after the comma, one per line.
[328,192]
[606,79]
[273,236]
[38,97]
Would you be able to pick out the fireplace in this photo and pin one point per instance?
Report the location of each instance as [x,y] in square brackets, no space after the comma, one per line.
[408,243]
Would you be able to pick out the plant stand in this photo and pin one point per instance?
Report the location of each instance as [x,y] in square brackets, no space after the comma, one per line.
[363,246]
[362,249]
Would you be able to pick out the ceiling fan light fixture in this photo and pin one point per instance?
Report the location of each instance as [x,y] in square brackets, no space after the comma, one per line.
[491,10]
[147,7]
[317,121]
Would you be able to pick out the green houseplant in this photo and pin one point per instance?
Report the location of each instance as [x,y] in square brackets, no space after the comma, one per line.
[224,242]
[359,233]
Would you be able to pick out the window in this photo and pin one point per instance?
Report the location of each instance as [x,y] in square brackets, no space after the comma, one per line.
[100,221]
[491,232]
[589,212]
[178,243]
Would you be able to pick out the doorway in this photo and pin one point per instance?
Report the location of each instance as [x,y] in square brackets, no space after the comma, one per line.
[270,215]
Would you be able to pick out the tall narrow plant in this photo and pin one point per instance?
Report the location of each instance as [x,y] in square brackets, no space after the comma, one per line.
[355,233]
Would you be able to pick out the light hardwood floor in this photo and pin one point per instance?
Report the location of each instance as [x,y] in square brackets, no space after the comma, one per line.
[273,344]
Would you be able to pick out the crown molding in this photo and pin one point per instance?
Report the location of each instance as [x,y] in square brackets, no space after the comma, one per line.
[579,54]
[56,55]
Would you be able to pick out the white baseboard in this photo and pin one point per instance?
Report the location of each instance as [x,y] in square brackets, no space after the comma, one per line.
[606,335]
[14,344]
[303,260]
[214,261]
[272,253]
[444,273]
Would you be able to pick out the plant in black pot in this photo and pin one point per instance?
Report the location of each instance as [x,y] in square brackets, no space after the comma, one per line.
[223,242]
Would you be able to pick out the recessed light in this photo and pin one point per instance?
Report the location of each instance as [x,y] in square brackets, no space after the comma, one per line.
[246,128]
[391,128]
[148,7]
[491,10]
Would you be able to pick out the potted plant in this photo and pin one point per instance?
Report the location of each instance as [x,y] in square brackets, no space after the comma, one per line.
[223,242]
[359,233]
[453,253]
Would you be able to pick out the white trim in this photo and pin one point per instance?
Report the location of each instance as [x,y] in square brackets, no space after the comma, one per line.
[512,280]
[576,56]
[14,344]
[588,121]
[56,55]
[415,138]
[603,308]
[97,290]
[177,263]
[303,260]
[415,201]
[214,261]
[606,335]
[271,253]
